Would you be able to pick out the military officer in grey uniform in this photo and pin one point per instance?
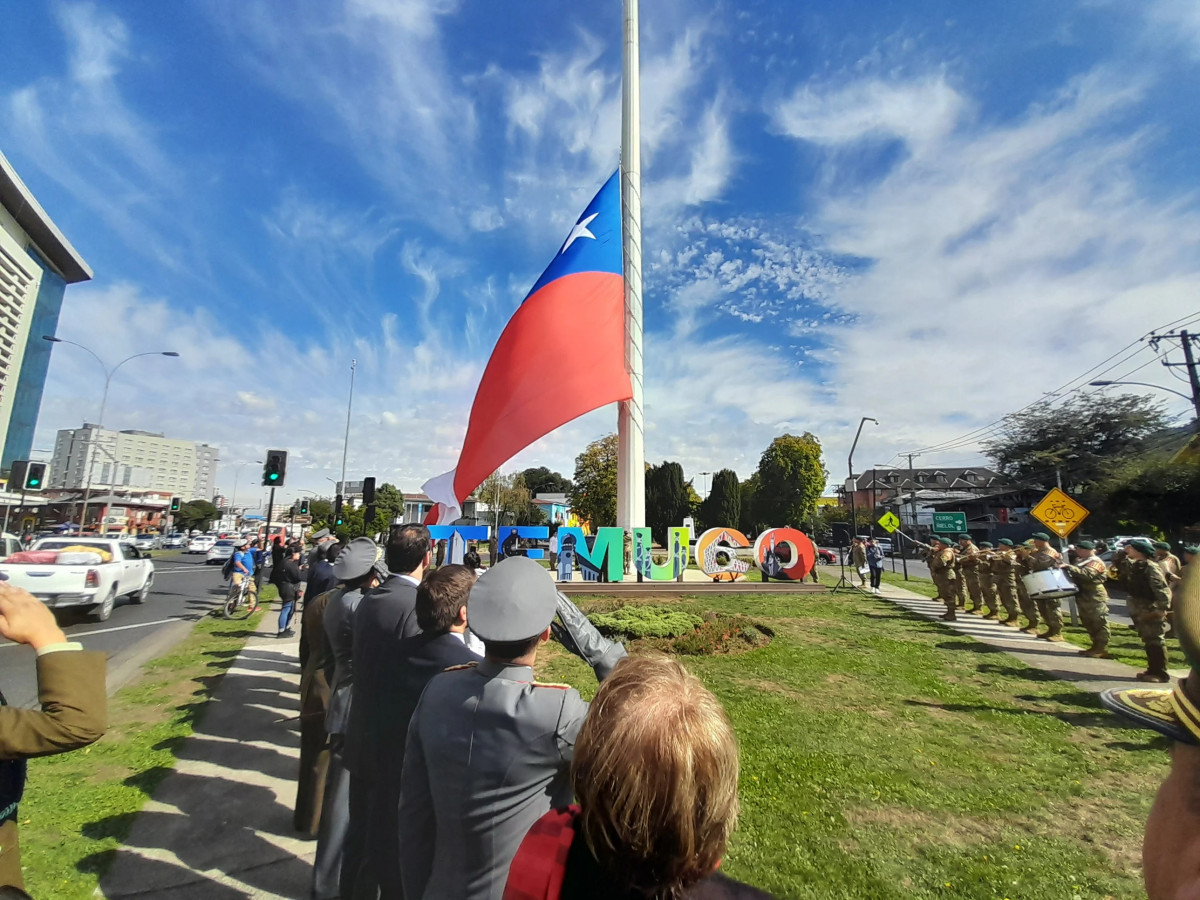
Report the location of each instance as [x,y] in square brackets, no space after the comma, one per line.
[358,568]
[489,749]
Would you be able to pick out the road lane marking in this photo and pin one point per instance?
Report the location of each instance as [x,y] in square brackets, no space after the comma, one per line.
[82,634]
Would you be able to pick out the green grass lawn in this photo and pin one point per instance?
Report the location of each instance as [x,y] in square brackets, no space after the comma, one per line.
[885,756]
[79,806]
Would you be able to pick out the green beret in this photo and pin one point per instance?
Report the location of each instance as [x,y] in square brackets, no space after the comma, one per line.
[1086,545]
[1027,543]
[1007,542]
[1191,549]
[1143,547]
[1161,545]
[964,537]
[985,545]
[1040,536]
[940,540]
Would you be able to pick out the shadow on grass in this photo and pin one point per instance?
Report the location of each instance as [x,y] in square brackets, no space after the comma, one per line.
[1097,719]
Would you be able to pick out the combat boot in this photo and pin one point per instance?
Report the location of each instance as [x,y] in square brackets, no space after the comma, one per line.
[1031,628]
[989,613]
[949,616]
[1156,670]
[1053,634]
[1098,650]
[1012,622]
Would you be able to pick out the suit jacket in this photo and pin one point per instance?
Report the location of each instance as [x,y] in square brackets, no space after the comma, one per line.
[320,579]
[387,615]
[416,660]
[488,754]
[74,706]
[340,613]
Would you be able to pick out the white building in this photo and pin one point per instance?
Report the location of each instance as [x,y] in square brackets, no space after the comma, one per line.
[133,459]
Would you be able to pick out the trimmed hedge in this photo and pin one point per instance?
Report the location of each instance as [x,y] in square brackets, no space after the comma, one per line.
[636,622]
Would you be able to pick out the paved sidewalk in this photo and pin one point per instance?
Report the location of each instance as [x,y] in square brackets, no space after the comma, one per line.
[220,823]
[1061,660]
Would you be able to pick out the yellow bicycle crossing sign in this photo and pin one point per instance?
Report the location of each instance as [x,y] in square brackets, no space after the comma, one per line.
[1059,512]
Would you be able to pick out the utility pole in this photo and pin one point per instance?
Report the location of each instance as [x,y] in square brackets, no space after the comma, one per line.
[1185,341]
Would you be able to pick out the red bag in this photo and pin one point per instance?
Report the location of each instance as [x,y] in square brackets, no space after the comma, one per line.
[39,557]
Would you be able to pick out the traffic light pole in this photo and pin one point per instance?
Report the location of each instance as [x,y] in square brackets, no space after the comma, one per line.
[266,541]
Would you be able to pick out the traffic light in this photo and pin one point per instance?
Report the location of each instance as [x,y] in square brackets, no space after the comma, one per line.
[368,491]
[27,476]
[304,507]
[175,504]
[337,511]
[275,468]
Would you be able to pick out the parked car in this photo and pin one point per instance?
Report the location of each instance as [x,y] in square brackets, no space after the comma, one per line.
[201,543]
[829,557]
[885,544]
[146,542]
[173,541]
[96,585]
[219,552]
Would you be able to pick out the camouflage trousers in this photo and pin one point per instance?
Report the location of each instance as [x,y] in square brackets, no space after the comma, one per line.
[1006,588]
[968,586]
[1028,607]
[1150,620]
[947,589]
[1093,612]
[1051,612]
[987,591]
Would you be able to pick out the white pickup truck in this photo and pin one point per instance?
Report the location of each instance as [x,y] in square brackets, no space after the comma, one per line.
[95,585]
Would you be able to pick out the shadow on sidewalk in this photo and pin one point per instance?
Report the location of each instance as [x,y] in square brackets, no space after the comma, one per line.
[219,823]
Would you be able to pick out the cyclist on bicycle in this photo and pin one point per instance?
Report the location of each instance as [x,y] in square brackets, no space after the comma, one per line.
[243,567]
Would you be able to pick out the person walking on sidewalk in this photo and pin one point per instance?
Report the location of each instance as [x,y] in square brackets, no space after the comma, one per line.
[874,563]
[858,559]
[1149,600]
[287,580]
[1089,574]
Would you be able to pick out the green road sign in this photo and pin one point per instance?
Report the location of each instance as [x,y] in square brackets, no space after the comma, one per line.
[949,522]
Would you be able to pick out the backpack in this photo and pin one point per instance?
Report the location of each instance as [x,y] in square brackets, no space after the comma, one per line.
[227,569]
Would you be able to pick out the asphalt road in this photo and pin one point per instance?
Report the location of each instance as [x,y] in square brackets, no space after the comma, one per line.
[185,590]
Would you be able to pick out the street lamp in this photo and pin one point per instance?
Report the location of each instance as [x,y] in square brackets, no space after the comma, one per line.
[1194,399]
[237,474]
[850,465]
[108,375]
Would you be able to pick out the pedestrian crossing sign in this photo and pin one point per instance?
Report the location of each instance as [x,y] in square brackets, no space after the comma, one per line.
[889,521]
[1059,512]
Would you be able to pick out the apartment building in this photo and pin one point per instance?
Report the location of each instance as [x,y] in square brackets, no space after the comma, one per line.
[141,460]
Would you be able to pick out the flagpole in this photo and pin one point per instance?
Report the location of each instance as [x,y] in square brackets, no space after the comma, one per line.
[631,454]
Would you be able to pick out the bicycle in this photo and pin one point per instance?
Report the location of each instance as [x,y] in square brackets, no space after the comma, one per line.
[236,605]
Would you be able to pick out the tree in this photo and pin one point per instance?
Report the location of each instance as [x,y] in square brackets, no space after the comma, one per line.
[723,506]
[1084,438]
[1156,495]
[197,514]
[668,500]
[750,522]
[593,493]
[541,480]
[791,477]
[509,495]
[389,500]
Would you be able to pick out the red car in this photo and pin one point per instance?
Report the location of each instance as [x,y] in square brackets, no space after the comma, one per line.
[826,556]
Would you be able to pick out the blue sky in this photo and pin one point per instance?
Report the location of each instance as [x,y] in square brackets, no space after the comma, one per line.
[929,213]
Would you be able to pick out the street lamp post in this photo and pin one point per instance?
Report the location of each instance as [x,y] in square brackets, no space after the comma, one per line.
[850,466]
[1194,399]
[108,376]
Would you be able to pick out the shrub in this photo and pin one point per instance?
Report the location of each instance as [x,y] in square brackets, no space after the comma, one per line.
[637,622]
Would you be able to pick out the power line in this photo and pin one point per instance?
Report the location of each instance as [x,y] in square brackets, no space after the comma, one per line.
[976,435]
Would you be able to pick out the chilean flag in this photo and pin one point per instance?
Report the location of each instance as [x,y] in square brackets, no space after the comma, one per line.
[561,355]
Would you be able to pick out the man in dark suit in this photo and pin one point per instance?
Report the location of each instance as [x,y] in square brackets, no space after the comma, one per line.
[442,615]
[387,615]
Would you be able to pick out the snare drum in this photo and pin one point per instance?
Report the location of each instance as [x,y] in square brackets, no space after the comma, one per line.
[1049,584]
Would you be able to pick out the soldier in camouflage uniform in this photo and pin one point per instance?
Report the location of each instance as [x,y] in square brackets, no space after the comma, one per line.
[945,575]
[1089,574]
[1044,557]
[986,574]
[1149,600]
[1004,573]
[968,563]
[1021,569]
[1173,569]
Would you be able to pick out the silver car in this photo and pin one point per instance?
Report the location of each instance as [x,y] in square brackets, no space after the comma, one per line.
[219,552]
